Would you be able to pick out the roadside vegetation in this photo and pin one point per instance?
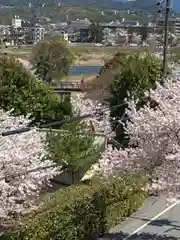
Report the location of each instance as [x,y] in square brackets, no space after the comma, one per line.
[83,211]
[123,174]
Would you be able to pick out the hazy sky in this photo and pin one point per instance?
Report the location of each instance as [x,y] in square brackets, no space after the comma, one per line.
[176,4]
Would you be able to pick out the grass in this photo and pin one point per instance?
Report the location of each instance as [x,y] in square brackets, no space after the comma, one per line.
[85,55]
[78,50]
[112,50]
[21,52]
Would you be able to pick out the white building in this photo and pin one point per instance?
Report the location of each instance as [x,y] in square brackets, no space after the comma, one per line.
[130,23]
[16,22]
[37,34]
[34,34]
[65,36]
[174,22]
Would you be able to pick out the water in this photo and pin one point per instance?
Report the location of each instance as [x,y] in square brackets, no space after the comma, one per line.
[84,70]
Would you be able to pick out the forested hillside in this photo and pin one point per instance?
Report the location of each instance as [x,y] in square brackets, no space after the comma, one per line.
[105,4]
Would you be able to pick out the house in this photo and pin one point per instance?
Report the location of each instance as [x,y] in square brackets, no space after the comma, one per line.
[34,34]
[16,22]
[81,26]
[173,22]
[130,23]
[115,36]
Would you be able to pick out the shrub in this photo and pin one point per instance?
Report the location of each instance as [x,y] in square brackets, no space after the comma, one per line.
[27,96]
[75,152]
[84,211]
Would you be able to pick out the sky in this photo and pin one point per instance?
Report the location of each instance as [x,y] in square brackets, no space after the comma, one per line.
[176,4]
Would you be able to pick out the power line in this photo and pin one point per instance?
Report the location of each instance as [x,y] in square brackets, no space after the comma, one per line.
[48,125]
[44,127]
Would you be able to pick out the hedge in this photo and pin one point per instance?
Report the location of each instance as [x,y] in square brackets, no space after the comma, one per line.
[20,91]
[83,212]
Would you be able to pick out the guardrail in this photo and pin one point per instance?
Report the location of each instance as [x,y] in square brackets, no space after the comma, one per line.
[67,84]
[68,87]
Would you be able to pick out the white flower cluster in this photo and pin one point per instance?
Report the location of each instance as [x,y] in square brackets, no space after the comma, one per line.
[154,144]
[24,168]
[156,134]
[100,113]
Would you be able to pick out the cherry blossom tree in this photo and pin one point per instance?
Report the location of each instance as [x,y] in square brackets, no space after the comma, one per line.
[154,140]
[24,167]
[100,113]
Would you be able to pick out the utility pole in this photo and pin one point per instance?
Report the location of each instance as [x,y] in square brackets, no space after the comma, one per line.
[165,47]
[165,64]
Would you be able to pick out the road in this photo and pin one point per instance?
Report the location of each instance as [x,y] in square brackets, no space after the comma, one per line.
[155,220]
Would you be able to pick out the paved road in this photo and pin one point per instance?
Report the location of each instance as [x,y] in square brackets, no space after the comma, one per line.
[153,221]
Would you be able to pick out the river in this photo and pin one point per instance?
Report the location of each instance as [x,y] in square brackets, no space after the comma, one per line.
[84,70]
[74,70]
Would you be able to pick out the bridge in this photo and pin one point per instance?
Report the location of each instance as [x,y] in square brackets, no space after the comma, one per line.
[66,88]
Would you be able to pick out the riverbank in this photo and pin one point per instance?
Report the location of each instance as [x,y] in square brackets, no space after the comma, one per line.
[76,72]
[85,56]
[87,78]
[92,59]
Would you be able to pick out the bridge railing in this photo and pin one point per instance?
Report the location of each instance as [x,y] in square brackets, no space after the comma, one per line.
[70,87]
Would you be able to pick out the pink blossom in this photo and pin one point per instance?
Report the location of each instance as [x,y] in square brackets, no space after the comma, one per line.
[24,168]
[156,133]
[100,113]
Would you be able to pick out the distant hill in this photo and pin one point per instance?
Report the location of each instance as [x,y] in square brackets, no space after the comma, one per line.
[147,5]
[118,5]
